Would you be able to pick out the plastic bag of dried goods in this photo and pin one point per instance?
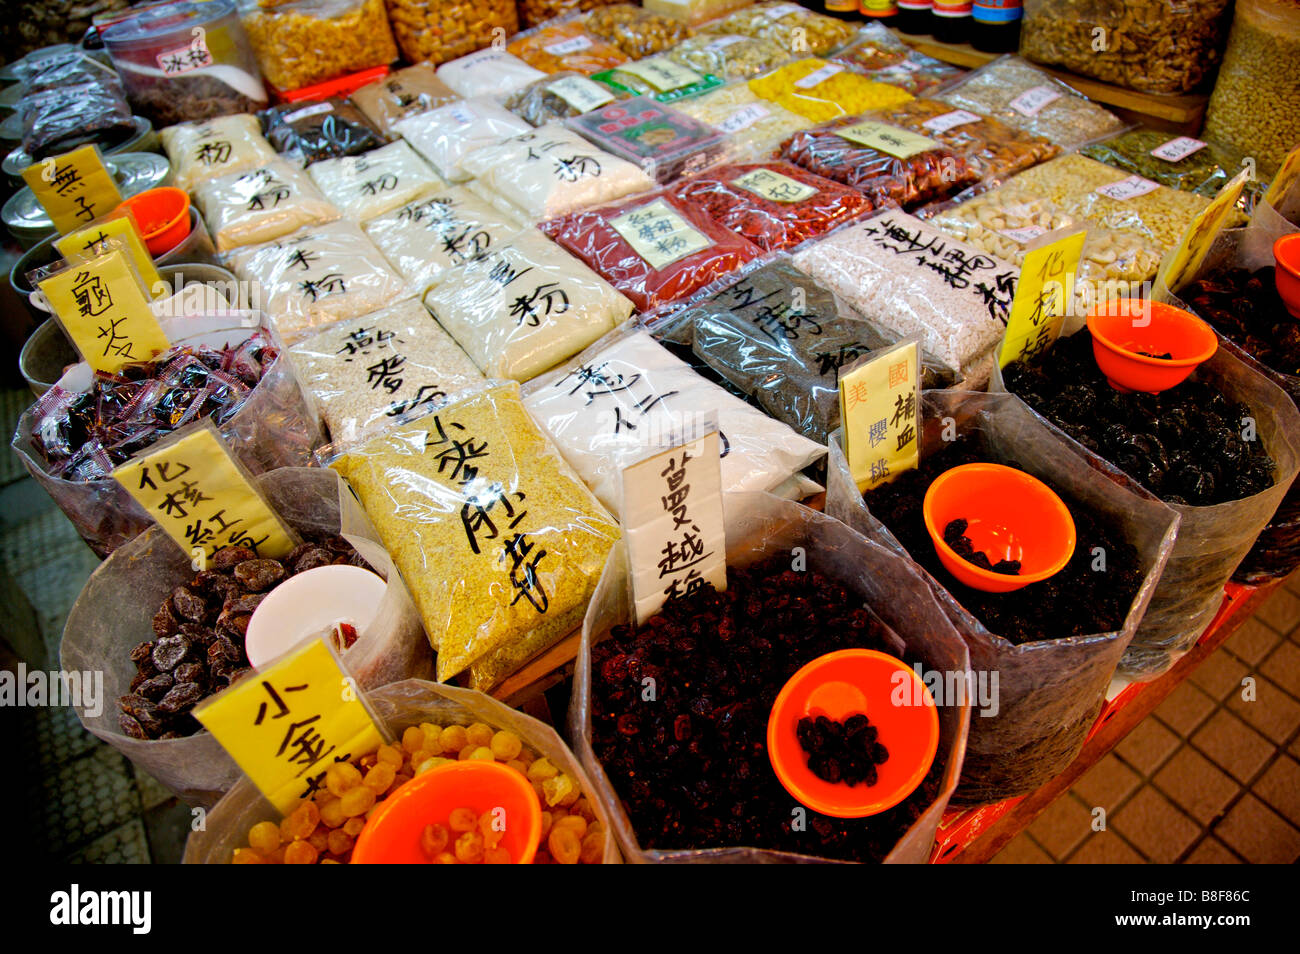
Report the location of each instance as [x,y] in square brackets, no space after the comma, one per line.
[320,130]
[436,232]
[70,101]
[1053,646]
[375,368]
[565,46]
[774,204]
[446,135]
[304,42]
[215,147]
[1212,539]
[414,703]
[402,93]
[780,338]
[552,171]
[824,89]
[525,306]
[660,77]
[754,127]
[909,277]
[635,31]
[729,57]
[489,73]
[375,182]
[600,408]
[665,142]
[436,30]
[119,609]
[264,417]
[317,276]
[497,538]
[788,25]
[1180,162]
[1023,96]
[727,817]
[881,55]
[654,249]
[264,204]
[559,96]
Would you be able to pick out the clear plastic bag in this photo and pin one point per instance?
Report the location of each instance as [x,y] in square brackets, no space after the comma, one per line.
[76,105]
[1180,162]
[636,32]
[1212,540]
[663,141]
[760,526]
[565,46]
[318,276]
[322,130]
[304,42]
[446,135]
[490,73]
[781,339]
[1023,96]
[375,182]
[434,31]
[755,128]
[599,408]
[823,89]
[660,77]
[499,541]
[788,25]
[249,208]
[400,94]
[1049,691]
[215,147]
[881,55]
[398,706]
[274,426]
[370,370]
[525,306]
[437,232]
[559,96]
[552,171]
[910,278]
[730,57]
[114,614]
[693,12]
[1156,46]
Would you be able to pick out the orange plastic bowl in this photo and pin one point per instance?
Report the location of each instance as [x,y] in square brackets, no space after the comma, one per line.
[392,835]
[1011,516]
[1123,327]
[163,217]
[1286,252]
[839,685]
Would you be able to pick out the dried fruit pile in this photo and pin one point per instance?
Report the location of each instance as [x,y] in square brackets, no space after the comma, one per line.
[845,751]
[954,534]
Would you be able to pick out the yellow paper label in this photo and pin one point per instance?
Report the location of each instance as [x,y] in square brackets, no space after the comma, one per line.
[74,188]
[774,187]
[1045,287]
[662,73]
[286,725]
[1185,260]
[1286,177]
[85,244]
[199,495]
[105,311]
[658,234]
[899,143]
[880,406]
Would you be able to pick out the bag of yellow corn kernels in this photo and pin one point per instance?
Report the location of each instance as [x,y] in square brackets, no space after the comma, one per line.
[399,706]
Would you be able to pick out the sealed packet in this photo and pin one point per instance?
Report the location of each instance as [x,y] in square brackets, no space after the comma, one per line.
[375,182]
[730,56]
[560,96]
[215,147]
[881,55]
[447,134]
[249,208]
[565,46]
[493,73]
[659,76]
[666,143]
[788,25]
[754,127]
[823,89]
[634,31]
[303,42]
[320,130]
[1180,162]
[402,93]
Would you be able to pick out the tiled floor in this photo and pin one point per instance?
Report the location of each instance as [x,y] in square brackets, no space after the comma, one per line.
[1212,777]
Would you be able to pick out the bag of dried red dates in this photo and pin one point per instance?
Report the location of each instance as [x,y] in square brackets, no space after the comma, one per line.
[687,777]
[410,712]
[1043,655]
[167,636]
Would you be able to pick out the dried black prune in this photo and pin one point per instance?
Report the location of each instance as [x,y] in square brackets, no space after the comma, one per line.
[169,651]
[131,727]
[155,687]
[180,697]
[259,575]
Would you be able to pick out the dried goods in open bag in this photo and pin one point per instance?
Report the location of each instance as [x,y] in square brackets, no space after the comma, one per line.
[910,278]
[1192,446]
[565,46]
[261,205]
[417,703]
[215,147]
[674,800]
[635,31]
[304,42]
[788,25]
[376,368]
[402,93]
[319,130]
[263,415]
[316,276]
[525,306]
[754,127]
[498,540]
[446,135]
[375,182]
[822,90]
[881,55]
[601,408]
[1053,646]
[117,608]
[434,31]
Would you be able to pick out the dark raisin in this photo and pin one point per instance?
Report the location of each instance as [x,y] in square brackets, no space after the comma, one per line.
[313,558]
[156,687]
[169,651]
[165,621]
[182,696]
[259,575]
[230,557]
[189,605]
[190,672]
[131,727]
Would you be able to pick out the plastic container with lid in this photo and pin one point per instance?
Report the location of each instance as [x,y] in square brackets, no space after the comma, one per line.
[186,61]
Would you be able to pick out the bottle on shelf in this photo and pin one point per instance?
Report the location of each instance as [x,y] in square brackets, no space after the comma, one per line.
[841,9]
[996,25]
[950,21]
[885,10]
[913,16]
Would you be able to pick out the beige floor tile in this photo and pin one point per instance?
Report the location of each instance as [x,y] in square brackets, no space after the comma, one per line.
[1022,851]
[1233,745]
[1219,675]
[1059,829]
[1155,826]
[1107,783]
[1258,834]
[1194,784]
[1185,708]
[1272,711]
[1148,746]
[1283,667]
[1279,786]
[1106,848]
[1212,852]
[1280,611]
[1253,641]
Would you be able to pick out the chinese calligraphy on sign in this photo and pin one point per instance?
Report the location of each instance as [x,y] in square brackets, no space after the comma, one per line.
[880,406]
[658,233]
[75,188]
[1043,293]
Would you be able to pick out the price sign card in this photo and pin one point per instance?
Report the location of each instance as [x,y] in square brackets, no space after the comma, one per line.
[1185,260]
[75,188]
[880,409]
[1044,289]
[85,244]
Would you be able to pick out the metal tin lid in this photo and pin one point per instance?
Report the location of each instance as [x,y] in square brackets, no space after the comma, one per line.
[11,129]
[139,141]
[135,172]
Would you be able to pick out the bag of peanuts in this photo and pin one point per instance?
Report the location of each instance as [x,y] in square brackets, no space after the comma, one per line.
[150,586]
[303,42]
[687,777]
[1053,666]
[429,724]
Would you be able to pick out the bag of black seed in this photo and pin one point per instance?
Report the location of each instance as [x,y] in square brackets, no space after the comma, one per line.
[1221,449]
[146,612]
[670,719]
[416,702]
[1235,291]
[1053,645]
[220,367]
